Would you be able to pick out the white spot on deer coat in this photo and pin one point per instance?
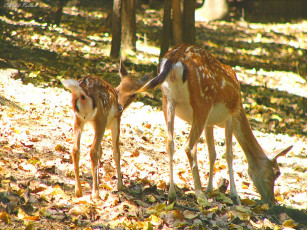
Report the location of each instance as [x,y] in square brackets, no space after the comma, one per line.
[199,82]
[223,83]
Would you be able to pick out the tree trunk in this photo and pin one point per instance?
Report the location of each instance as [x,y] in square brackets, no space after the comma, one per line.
[166,30]
[59,11]
[116,29]
[2,7]
[177,22]
[189,21]
[128,25]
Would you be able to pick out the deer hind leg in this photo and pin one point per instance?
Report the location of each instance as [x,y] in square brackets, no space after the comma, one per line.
[229,158]
[169,114]
[191,151]
[212,156]
[95,153]
[75,155]
[116,152]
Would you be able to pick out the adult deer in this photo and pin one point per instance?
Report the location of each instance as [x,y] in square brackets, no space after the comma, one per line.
[96,101]
[204,92]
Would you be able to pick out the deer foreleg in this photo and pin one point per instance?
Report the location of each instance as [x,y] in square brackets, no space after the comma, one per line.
[229,158]
[191,151]
[212,156]
[116,152]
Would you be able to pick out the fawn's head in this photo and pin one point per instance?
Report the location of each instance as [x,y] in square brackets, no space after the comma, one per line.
[265,174]
[128,86]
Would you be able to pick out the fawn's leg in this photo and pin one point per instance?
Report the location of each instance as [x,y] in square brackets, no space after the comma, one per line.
[75,155]
[95,154]
[116,152]
[229,158]
[212,156]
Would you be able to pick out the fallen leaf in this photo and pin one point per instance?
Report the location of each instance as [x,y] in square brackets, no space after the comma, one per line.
[4,217]
[289,223]
[265,207]
[155,220]
[244,213]
[257,209]
[203,202]
[34,160]
[279,198]
[189,215]
[135,153]
[150,198]
[170,207]
[34,139]
[75,211]
[29,226]
[248,201]
[224,198]
[59,148]
[212,210]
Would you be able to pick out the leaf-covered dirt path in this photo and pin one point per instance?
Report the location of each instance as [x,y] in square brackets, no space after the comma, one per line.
[36,173]
[37,178]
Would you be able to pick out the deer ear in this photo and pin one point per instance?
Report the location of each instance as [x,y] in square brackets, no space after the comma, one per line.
[278,153]
[145,79]
[122,70]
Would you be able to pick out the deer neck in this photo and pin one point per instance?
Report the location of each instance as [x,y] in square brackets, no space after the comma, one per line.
[243,133]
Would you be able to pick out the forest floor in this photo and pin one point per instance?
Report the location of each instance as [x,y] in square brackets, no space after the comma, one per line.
[36,173]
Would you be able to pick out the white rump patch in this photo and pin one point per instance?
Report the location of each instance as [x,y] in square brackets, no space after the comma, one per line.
[178,68]
[86,110]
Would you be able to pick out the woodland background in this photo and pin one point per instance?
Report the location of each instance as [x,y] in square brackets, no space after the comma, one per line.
[264,41]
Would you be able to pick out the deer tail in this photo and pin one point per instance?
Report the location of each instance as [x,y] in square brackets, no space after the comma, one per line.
[166,67]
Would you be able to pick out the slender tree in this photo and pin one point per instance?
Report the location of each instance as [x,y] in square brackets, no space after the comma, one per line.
[177,22]
[166,30]
[128,25]
[2,7]
[58,12]
[189,21]
[116,29]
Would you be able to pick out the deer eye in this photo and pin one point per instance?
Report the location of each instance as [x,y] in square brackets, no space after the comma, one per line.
[82,97]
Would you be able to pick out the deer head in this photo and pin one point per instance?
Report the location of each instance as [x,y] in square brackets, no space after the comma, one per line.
[128,87]
[264,172]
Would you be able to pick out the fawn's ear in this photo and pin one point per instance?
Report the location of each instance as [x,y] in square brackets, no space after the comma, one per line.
[122,70]
[73,86]
[70,84]
[145,79]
